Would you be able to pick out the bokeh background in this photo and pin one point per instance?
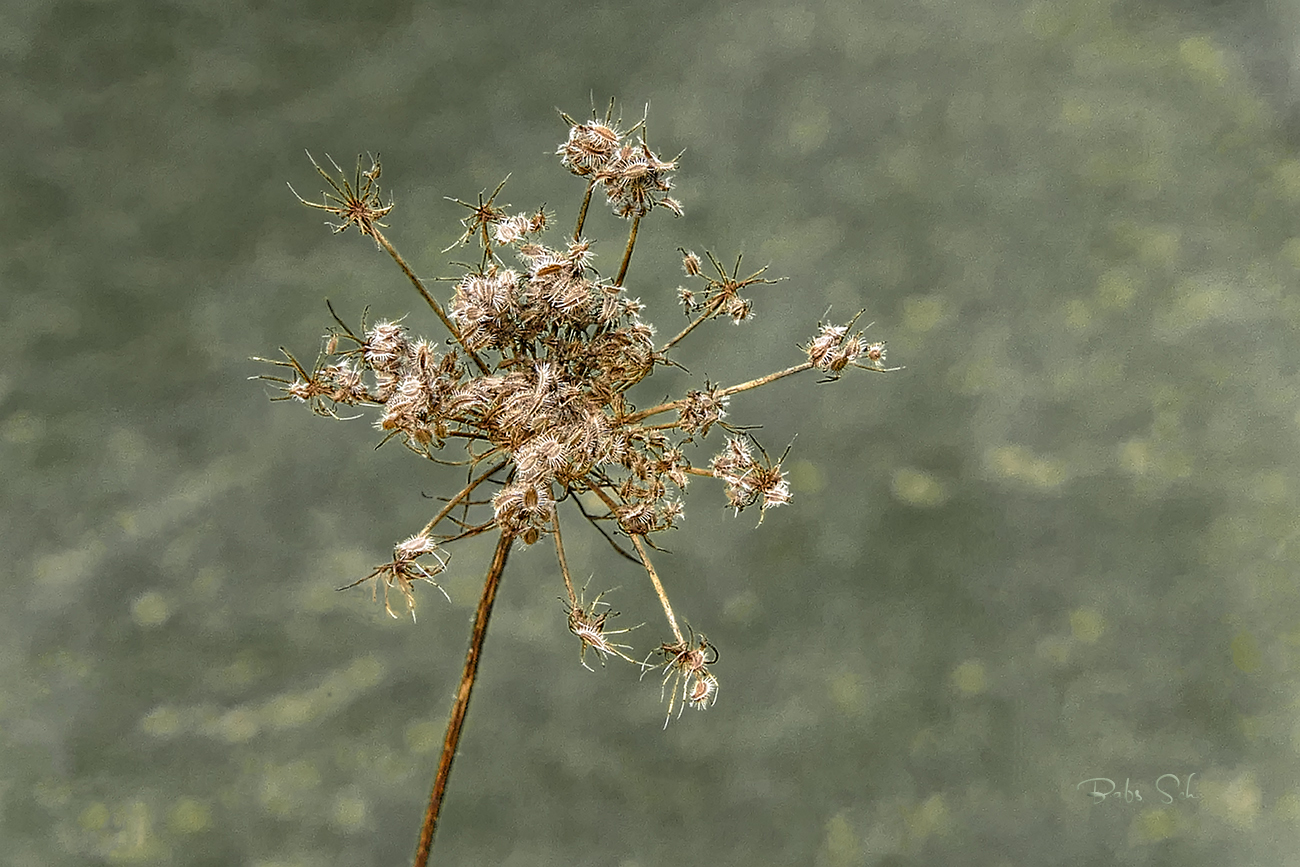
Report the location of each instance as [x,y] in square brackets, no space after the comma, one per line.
[1061,545]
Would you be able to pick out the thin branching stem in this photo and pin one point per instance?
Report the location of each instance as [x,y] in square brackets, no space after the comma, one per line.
[464,492]
[643,414]
[668,406]
[429,299]
[764,380]
[559,555]
[710,309]
[627,253]
[471,532]
[640,544]
[461,705]
[582,212]
[594,520]
[659,587]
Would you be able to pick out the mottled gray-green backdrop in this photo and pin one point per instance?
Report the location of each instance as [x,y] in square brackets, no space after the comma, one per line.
[1061,546]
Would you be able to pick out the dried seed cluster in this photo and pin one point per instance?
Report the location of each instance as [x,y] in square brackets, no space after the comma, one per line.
[532,387]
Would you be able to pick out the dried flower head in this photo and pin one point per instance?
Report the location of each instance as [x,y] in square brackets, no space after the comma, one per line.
[531,393]
[482,220]
[356,202]
[749,480]
[588,622]
[835,348]
[589,147]
[685,664]
[635,180]
[700,410]
[403,570]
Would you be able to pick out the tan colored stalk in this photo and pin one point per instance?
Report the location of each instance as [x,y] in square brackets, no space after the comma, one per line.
[627,253]
[460,706]
[712,308]
[582,212]
[451,504]
[559,555]
[645,561]
[734,389]
[659,587]
[424,293]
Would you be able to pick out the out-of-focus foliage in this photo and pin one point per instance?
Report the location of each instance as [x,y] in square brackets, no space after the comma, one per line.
[1061,545]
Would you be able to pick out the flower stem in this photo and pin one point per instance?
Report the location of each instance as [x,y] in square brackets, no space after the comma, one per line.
[659,587]
[645,562]
[713,307]
[764,380]
[559,555]
[582,212]
[722,392]
[459,708]
[429,299]
[627,254]
[451,504]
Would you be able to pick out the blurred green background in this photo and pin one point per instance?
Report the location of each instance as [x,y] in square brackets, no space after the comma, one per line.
[1061,545]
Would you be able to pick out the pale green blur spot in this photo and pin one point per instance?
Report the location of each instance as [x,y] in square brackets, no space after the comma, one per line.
[242,672]
[290,711]
[928,818]
[237,726]
[1290,252]
[1087,625]
[1203,60]
[1237,801]
[806,477]
[94,817]
[922,313]
[150,609]
[847,691]
[1287,808]
[133,839]
[840,846]
[1286,177]
[1116,289]
[918,488]
[349,812]
[52,794]
[970,677]
[161,722]
[22,428]
[741,608]
[189,816]
[1245,653]
[59,573]
[1155,245]
[1152,826]
[810,128]
[423,737]
[1271,488]
[1055,649]
[1018,463]
[290,788]
[1077,314]
[1076,112]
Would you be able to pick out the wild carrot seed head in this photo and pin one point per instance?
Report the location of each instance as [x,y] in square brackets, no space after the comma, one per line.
[535,386]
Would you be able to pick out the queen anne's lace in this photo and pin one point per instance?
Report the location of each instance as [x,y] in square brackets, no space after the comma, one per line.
[531,391]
